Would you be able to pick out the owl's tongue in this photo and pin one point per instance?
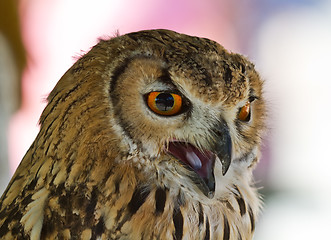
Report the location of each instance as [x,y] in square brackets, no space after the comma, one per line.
[201,162]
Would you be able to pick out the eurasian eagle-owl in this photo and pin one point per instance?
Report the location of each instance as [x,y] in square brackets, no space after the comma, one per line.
[150,135]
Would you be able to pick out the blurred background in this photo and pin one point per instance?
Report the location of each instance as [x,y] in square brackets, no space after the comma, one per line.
[288,40]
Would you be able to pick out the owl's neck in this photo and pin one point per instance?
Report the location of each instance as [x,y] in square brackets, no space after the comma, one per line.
[155,207]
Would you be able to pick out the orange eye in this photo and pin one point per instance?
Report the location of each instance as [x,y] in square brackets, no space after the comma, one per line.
[245,112]
[164,103]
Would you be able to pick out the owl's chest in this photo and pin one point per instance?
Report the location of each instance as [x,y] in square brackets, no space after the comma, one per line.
[132,206]
[156,214]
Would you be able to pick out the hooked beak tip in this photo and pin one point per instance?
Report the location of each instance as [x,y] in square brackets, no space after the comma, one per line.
[223,147]
[225,164]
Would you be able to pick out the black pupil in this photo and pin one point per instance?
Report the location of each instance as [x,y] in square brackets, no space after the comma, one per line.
[164,101]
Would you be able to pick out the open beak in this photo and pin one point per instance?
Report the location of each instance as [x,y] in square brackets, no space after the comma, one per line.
[202,162]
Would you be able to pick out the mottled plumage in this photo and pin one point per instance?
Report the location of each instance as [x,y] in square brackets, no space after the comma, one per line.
[116,159]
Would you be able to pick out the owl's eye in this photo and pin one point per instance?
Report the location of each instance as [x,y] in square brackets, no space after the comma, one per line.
[245,112]
[164,103]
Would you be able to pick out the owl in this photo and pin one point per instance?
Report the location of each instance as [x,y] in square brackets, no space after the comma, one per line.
[149,135]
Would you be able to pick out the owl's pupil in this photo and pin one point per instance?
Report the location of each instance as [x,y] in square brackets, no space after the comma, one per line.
[164,101]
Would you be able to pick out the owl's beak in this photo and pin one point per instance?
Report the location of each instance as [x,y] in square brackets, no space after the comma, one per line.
[223,146]
[202,162]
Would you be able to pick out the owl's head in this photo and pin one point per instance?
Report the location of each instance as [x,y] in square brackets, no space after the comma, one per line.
[178,103]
